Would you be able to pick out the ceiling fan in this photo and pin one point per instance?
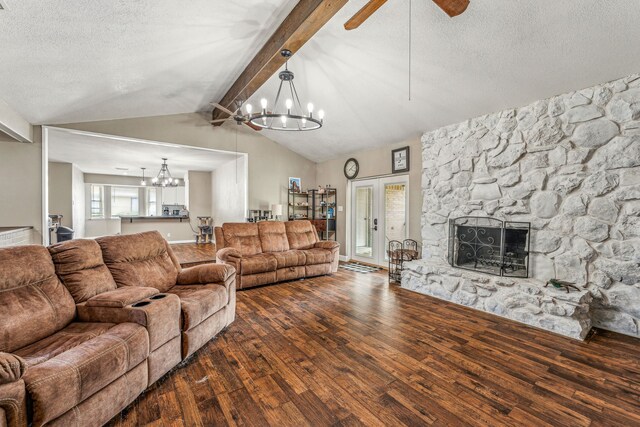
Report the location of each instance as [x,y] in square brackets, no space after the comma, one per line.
[237,116]
[451,8]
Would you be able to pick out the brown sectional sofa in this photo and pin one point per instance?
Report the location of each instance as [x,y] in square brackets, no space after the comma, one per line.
[88,325]
[274,251]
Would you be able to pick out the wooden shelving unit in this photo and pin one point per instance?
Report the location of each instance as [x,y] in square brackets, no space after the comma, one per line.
[318,206]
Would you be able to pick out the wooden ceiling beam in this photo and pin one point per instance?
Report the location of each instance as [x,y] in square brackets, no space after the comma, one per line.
[306,18]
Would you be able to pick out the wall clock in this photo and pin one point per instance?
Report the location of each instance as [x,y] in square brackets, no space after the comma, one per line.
[351,168]
[400,160]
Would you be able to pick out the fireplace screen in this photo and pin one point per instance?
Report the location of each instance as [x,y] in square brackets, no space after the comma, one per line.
[489,245]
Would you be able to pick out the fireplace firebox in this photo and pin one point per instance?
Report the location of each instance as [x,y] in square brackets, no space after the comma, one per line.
[489,245]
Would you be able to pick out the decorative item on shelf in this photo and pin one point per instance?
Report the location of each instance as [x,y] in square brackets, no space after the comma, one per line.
[400,160]
[320,189]
[560,284]
[295,185]
[293,117]
[164,178]
[276,209]
[351,168]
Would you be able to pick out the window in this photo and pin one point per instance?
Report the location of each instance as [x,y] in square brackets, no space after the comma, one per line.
[152,204]
[124,201]
[97,201]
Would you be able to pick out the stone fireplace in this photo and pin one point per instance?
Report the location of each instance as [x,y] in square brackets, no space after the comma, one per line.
[569,168]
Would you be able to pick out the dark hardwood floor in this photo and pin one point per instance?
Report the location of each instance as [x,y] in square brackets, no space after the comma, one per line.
[350,349]
[191,254]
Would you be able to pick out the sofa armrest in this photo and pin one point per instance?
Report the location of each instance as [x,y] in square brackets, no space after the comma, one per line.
[205,274]
[327,244]
[12,368]
[13,404]
[121,297]
[159,313]
[230,256]
[334,247]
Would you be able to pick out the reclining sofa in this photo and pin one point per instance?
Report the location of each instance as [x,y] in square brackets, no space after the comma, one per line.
[274,251]
[87,325]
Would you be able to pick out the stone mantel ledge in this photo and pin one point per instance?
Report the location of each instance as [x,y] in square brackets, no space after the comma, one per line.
[523,300]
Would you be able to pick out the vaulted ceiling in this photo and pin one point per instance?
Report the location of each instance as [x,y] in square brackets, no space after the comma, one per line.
[78,61]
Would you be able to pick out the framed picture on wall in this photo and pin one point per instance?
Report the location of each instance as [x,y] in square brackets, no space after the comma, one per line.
[400,160]
[295,185]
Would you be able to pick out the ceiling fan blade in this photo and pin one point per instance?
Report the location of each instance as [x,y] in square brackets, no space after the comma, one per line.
[363,14]
[252,126]
[220,107]
[452,7]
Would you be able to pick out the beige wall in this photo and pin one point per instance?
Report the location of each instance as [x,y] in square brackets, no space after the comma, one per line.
[374,162]
[227,186]
[270,164]
[61,191]
[78,202]
[20,186]
[199,194]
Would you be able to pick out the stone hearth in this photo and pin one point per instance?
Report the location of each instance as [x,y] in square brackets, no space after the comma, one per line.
[517,299]
[570,166]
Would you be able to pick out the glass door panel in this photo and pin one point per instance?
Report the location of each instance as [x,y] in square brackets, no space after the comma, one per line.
[364,221]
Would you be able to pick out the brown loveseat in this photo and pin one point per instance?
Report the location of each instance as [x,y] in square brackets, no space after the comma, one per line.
[274,251]
[82,344]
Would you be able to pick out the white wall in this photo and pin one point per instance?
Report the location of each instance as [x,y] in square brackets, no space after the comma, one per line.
[228,192]
[78,202]
[14,125]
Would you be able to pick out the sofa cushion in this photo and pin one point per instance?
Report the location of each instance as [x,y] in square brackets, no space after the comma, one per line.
[139,260]
[273,236]
[198,302]
[260,263]
[70,337]
[80,267]
[243,236]
[301,234]
[289,258]
[33,302]
[63,381]
[318,256]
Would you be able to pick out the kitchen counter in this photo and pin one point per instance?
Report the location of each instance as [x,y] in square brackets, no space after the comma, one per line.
[4,230]
[154,218]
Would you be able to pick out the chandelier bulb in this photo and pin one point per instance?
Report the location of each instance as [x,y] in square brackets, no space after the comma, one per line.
[154,180]
[310,108]
[304,123]
[249,108]
[321,114]
[284,121]
[263,103]
[289,104]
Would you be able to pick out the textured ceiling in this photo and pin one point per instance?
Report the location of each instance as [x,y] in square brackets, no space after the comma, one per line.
[114,156]
[498,54]
[76,61]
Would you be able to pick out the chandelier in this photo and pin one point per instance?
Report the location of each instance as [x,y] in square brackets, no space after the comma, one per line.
[294,119]
[164,178]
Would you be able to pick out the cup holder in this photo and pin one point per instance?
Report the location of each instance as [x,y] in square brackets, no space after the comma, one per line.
[159,296]
[141,304]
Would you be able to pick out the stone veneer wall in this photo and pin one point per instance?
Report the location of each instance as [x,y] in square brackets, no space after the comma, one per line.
[570,165]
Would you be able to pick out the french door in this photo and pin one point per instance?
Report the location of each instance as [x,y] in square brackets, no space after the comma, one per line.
[379,209]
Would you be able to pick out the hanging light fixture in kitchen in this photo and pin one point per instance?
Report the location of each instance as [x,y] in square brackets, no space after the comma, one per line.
[164,178]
